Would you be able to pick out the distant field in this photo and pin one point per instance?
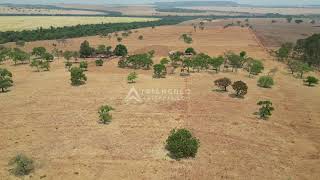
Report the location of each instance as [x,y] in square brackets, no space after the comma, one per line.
[20,10]
[19,23]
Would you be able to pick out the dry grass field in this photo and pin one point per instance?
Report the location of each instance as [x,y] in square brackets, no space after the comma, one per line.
[272,35]
[263,10]
[19,23]
[18,10]
[56,124]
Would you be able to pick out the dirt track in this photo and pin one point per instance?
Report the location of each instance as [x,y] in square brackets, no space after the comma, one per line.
[56,124]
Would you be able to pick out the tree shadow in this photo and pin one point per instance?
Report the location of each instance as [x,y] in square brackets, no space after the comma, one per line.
[235,96]
[219,90]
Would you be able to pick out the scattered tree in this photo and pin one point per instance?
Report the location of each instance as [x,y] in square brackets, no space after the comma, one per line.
[298,21]
[223,83]
[311,80]
[68,65]
[289,19]
[5,79]
[86,50]
[266,109]
[240,87]
[99,62]
[254,67]
[77,76]
[140,37]
[121,50]
[132,77]
[181,144]
[265,82]
[186,38]
[104,114]
[216,63]
[164,61]
[84,65]
[159,71]
[38,51]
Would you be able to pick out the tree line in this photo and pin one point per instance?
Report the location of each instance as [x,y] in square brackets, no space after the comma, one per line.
[82,30]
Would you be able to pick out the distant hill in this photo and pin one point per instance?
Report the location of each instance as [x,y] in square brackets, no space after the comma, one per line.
[194,3]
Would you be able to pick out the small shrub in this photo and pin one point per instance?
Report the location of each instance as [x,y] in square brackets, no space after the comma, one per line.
[22,165]
[223,83]
[186,38]
[132,77]
[104,115]
[140,37]
[164,61]
[265,82]
[266,109]
[311,80]
[99,62]
[240,87]
[181,144]
[77,76]
[84,65]
[119,39]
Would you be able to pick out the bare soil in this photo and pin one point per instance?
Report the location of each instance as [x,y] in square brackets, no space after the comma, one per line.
[56,124]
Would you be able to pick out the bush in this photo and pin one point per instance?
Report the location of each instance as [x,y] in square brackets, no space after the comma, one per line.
[104,115]
[186,38]
[23,165]
[40,64]
[132,77]
[140,37]
[86,50]
[121,50]
[265,82]
[5,79]
[77,76]
[240,87]
[223,83]
[20,43]
[311,80]
[99,62]
[119,39]
[181,144]
[159,71]
[84,65]
[266,109]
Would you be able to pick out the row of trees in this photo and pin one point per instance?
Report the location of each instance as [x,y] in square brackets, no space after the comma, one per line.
[83,30]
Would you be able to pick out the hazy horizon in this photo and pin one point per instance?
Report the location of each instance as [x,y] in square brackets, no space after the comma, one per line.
[250,2]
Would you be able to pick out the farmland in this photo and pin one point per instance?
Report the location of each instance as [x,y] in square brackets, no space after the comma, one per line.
[19,23]
[56,124]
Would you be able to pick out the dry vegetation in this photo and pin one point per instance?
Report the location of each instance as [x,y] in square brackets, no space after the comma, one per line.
[56,124]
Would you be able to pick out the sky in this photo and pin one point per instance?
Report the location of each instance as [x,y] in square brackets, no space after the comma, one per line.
[252,2]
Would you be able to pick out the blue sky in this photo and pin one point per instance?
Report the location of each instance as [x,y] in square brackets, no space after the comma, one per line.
[253,2]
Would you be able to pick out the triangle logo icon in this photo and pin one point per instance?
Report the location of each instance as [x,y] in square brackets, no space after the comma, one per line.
[133,96]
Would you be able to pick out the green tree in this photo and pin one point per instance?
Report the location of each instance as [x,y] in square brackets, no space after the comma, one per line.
[266,109]
[77,76]
[104,114]
[265,82]
[68,55]
[289,19]
[311,80]
[5,79]
[181,144]
[86,50]
[234,60]
[308,51]
[298,21]
[132,77]
[254,67]
[18,55]
[284,52]
[186,38]
[84,65]
[99,62]
[216,63]
[38,51]
[223,83]
[200,61]
[164,61]
[121,50]
[240,87]
[303,68]
[48,57]
[190,50]
[159,71]
[68,65]
[23,165]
